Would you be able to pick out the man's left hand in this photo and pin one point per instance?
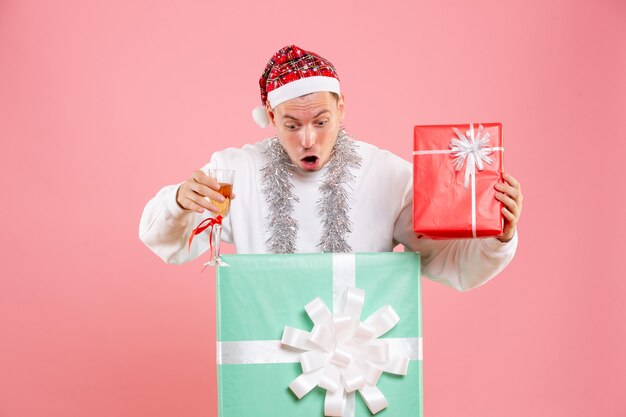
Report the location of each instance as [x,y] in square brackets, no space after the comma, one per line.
[510,194]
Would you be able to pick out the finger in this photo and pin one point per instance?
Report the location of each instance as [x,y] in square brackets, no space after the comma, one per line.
[515,184]
[184,201]
[510,222]
[191,205]
[511,180]
[199,204]
[509,190]
[204,191]
[508,202]
[192,197]
[510,217]
[200,177]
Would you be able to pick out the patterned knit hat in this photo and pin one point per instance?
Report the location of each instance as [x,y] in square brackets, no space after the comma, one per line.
[293,72]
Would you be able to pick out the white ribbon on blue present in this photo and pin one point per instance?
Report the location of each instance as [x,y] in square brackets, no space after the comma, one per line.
[341,353]
[470,150]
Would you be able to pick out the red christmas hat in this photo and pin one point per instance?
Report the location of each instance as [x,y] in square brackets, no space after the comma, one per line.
[293,72]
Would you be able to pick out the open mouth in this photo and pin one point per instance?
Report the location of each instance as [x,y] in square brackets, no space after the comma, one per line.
[309,162]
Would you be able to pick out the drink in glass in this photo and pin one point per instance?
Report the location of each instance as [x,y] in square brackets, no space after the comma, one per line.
[223,207]
[225,178]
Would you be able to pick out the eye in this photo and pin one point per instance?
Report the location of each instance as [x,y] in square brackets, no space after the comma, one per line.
[292,126]
[321,122]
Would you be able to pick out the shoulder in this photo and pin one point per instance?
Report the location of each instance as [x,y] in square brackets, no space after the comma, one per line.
[250,155]
[381,160]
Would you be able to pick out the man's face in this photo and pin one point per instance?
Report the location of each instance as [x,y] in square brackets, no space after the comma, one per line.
[307,128]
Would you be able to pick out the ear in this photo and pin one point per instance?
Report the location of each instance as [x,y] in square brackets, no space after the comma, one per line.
[340,106]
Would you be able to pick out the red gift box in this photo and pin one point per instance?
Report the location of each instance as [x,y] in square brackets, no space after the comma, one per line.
[455,170]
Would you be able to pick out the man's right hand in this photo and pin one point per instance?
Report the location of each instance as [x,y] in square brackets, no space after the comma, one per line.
[195,193]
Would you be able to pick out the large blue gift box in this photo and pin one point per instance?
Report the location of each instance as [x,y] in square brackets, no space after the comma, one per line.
[300,335]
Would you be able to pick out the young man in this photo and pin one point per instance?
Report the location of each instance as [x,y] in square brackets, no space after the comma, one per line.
[312,188]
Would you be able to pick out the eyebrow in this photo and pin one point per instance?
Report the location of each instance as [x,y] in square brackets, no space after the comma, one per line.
[287,116]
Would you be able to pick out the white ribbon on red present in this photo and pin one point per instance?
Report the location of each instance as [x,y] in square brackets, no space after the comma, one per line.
[341,354]
[469,151]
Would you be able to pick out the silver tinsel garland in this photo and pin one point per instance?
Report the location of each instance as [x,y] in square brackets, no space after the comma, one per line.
[279,196]
[333,205]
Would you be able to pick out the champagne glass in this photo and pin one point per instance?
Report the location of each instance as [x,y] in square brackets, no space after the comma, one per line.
[225,179]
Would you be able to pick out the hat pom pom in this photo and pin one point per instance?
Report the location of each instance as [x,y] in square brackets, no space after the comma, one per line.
[259,114]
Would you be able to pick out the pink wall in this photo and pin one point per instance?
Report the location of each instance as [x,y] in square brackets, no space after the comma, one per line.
[103,102]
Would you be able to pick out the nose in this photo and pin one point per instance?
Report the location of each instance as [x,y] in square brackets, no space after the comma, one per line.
[308,138]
